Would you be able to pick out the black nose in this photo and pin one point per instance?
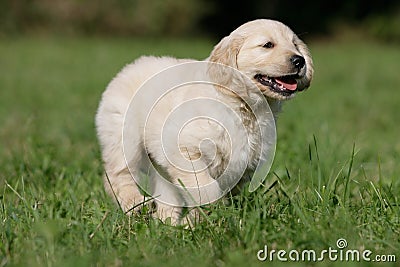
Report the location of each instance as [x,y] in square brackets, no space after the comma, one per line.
[298,61]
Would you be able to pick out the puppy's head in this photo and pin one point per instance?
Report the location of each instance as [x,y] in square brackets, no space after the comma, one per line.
[270,54]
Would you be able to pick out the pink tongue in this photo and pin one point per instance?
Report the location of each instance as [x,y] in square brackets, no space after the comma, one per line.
[290,84]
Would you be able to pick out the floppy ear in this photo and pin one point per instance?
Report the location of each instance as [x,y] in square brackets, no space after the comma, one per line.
[226,51]
[224,55]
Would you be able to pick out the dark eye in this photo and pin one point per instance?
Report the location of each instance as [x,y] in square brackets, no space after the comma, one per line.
[268,45]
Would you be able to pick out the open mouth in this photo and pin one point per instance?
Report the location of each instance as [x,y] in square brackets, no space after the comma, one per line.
[285,85]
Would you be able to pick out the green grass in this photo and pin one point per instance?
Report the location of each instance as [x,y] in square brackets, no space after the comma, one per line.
[54,211]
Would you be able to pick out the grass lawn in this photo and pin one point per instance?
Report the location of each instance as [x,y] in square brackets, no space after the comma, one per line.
[335,172]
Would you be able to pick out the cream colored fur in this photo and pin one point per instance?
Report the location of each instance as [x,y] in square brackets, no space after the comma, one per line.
[242,50]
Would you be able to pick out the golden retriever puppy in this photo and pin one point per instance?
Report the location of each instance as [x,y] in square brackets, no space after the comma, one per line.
[181,133]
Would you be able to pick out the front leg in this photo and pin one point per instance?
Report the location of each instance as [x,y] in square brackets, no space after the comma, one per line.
[191,190]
